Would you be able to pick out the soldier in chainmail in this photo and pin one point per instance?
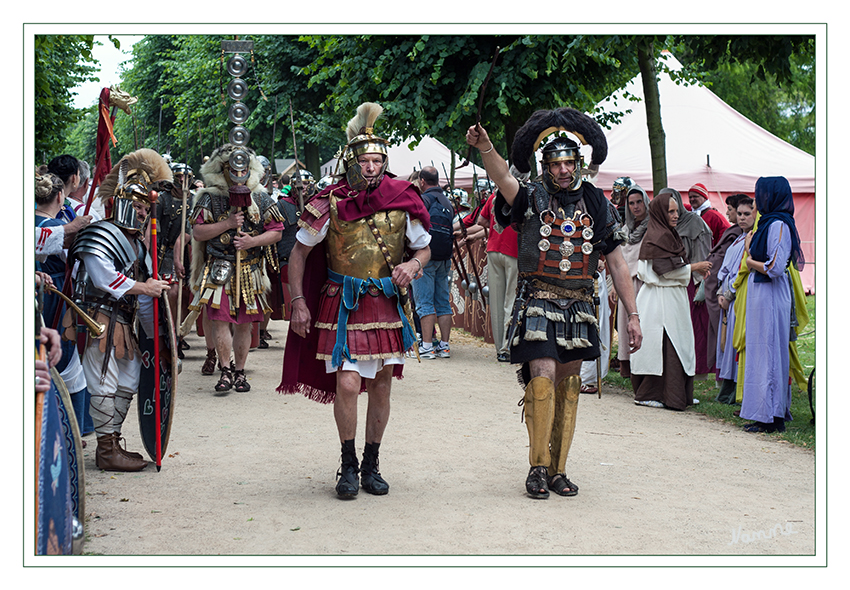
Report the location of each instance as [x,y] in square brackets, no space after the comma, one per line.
[563,225]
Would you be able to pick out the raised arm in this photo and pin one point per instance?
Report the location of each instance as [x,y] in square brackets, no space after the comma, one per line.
[495,165]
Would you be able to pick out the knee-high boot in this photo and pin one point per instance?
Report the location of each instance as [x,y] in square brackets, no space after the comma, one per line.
[539,405]
[566,404]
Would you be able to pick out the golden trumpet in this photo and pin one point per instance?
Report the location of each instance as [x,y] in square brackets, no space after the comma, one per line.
[96,330]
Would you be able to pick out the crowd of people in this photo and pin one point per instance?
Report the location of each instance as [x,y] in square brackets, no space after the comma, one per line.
[711,298]
[362,266]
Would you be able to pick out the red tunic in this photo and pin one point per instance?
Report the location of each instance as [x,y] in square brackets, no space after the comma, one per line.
[303,362]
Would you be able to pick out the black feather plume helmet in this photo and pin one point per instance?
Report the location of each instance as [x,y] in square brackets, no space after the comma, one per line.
[546,125]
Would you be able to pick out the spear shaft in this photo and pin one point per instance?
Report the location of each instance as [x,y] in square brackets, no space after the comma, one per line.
[156,394]
[298,182]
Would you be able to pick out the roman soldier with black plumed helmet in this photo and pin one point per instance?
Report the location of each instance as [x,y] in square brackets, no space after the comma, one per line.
[564,224]
[114,285]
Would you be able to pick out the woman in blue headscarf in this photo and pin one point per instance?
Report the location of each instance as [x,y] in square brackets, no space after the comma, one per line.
[774,245]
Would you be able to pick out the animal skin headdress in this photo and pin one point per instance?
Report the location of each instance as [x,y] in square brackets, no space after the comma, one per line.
[548,125]
[215,171]
[131,179]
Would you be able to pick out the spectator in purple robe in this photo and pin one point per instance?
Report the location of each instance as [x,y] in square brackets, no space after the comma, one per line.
[774,245]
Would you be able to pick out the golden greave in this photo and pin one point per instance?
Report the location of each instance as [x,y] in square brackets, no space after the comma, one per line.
[564,426]
[539,405]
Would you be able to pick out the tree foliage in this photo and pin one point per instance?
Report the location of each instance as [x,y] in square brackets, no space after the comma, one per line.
[431,84]
[61,63]
[181,83]
[770,80]
[427,84]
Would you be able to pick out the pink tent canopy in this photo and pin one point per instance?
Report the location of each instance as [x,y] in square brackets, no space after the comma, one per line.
[430,152]
[707,141]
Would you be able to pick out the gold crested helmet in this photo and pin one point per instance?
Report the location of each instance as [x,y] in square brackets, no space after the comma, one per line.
[131,182]
[362,140]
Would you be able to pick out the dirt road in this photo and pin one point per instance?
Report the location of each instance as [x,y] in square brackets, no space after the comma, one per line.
[253,474]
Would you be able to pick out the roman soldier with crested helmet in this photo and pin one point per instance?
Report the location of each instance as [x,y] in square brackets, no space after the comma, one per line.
[349,323]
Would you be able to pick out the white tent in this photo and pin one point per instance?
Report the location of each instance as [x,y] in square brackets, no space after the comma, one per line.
[707,141]
[429,152]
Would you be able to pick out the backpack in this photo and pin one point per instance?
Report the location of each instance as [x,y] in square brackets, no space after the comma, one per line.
[441,228]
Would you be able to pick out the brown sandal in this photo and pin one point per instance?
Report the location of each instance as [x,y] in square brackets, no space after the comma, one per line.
[209,363]
[225,382]
[240,382]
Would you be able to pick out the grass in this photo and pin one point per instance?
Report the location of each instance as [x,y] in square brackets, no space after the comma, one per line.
[799,431]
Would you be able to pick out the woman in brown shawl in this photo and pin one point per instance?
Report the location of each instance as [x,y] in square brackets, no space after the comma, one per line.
[663,370]
[696,238]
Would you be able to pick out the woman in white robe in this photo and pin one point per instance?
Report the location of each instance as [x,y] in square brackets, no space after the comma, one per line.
[663,369]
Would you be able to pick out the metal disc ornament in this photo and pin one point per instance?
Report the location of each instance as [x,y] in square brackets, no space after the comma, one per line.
[543,245]
[587,233]
[587,248]
[237,66]
[545,230]
[239,136]
[237,89]
[239,160]
[566,249]
[238,113]
[568,227]
[565,265]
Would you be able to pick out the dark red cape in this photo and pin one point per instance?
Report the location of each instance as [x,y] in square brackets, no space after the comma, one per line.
[302,372]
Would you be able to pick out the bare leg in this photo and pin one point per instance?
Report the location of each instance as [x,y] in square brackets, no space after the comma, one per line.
[223,341]
[445,323]
[241,344]
[345,404]
[427,323]
[378,410]
[553,370]
[208,330]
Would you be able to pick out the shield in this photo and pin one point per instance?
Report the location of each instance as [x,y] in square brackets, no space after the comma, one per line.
[54,514]
[168,370]
[74,445]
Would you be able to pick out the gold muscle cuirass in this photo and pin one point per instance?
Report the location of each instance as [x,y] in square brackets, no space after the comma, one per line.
[352,249]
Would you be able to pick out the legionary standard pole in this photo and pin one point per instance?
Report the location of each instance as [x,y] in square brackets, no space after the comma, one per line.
[237,89]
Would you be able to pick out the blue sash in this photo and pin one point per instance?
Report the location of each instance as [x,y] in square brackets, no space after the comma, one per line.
[352,289]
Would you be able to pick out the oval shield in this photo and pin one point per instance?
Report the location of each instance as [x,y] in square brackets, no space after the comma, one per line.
[167,382]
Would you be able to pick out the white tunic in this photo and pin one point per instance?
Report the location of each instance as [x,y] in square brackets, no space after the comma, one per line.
[663,306]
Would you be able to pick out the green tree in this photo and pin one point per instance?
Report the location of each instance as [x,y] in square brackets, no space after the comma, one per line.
[765,56]
[81,139]
[787,110]
[182,79]
[431,84]
[61,63]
